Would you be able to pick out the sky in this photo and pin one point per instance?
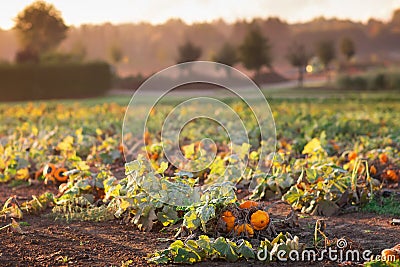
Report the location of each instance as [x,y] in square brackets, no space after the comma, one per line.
[77,12]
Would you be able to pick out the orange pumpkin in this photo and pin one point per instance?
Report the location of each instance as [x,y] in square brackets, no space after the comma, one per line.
[147,138]
[245,229]
[248,204]
[352,155]
[392,175]
[49,169]
[60,176]
[383,158]
[390,255]
[259,220]
[229,219]
[372,170]
[154,156]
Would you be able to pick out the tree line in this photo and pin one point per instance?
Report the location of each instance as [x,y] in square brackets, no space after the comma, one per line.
[40,30]
[255,53]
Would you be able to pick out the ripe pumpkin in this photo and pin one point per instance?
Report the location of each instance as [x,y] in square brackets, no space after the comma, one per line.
[259,220]
[244,228]
[390,254]
[229,219]
[49,169]
[383,158]
[248,204]
[59,175]
[392,175]
[372,170]
[352,155]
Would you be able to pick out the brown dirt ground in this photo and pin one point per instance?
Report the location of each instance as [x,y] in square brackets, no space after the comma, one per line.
[56,243]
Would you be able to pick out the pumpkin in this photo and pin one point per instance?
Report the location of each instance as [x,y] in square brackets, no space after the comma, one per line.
[229,219]
[372,170]
[154,156]
[49,169]
[392,175]
[60,176]
[259,220]
[121,148]
[248,204]
[147,138]
[390,254]
[244,228]
[352,155]
[383,158]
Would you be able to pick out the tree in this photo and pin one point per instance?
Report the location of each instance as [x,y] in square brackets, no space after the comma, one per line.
[255,51]
[116,54]
[188,52]
[298,56]
[326,53]
[40,27]
[227,55]
[347,48]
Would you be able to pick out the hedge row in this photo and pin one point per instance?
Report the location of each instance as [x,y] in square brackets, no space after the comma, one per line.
[382,80]
[53,81]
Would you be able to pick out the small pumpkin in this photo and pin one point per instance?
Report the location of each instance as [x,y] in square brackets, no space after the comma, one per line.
[248,204]
[390,254]
[352,155]
[372,170]
[60,176]
[244,229]
[259,220]
[49,169]
[229,219]
[392,175]
[383,158]
[154,156]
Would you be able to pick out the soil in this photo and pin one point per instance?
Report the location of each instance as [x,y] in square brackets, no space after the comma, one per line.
[56,243]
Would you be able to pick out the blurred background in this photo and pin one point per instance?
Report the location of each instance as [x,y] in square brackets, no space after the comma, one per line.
[69,49]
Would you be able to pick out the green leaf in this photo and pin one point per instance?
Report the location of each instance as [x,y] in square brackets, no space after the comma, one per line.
[191,220]
[246,250]
[204,243]
[167,216]
[132,166]
[185,255]
[205,213]
[225,250]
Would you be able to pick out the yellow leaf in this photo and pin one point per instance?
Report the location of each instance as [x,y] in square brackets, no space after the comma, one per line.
[313,146]
[22,174]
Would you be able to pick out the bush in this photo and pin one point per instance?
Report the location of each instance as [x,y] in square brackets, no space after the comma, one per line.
[371,81]
[39,81]
[129,83]
[380,81]
[394,80]
[352,83]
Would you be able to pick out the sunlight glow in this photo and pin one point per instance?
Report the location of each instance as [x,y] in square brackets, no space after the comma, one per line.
[158,11]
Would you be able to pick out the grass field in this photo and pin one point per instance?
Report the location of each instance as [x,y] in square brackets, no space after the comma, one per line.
[336,151]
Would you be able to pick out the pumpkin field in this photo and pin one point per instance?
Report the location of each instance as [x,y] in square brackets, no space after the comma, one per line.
[332,181]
